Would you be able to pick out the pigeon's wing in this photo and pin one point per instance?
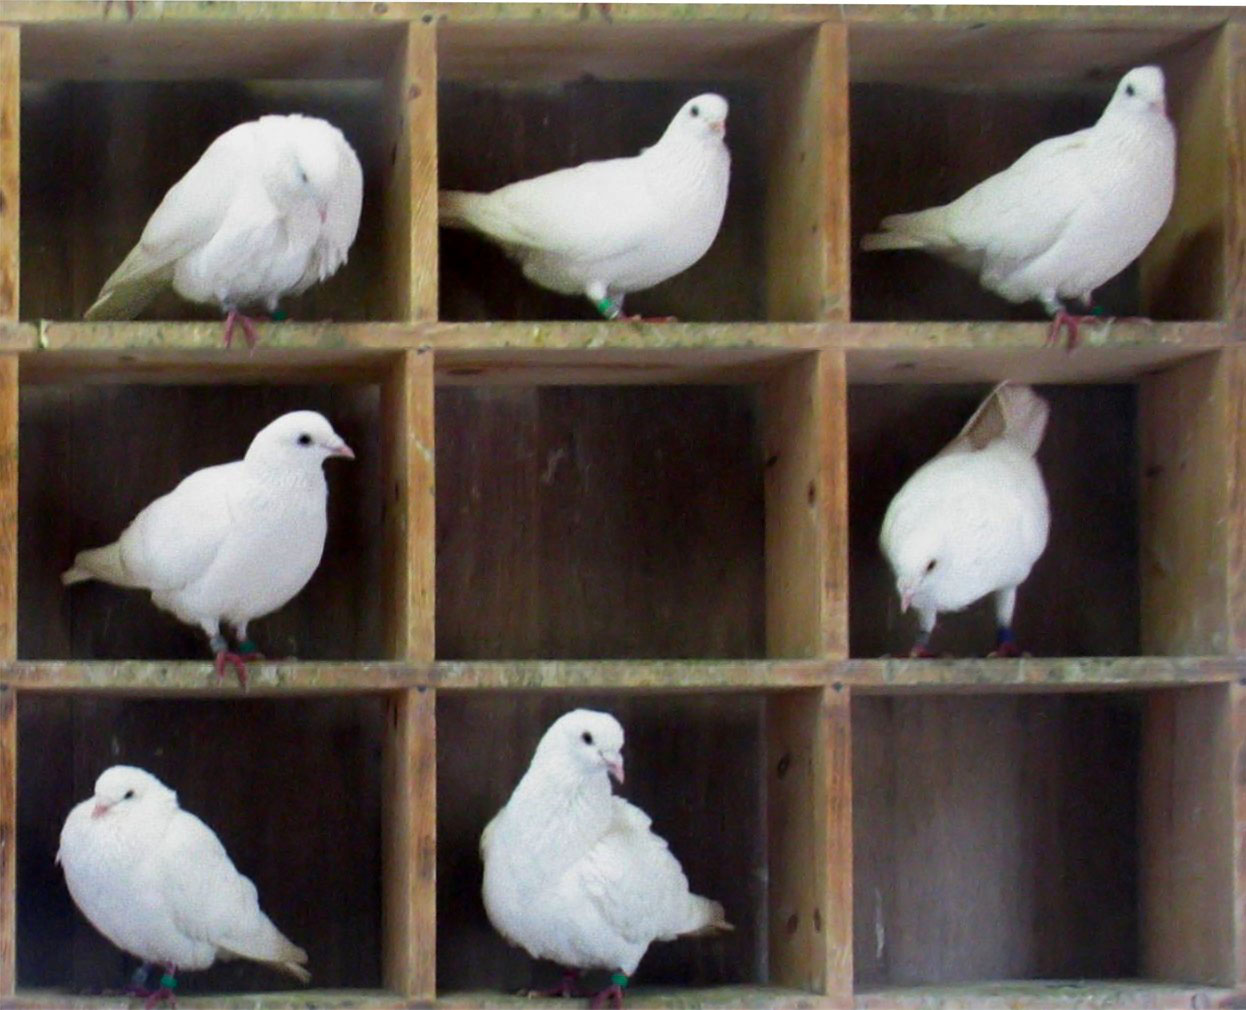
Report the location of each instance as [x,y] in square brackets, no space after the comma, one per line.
[1020,212]
[632,879]
[188,216]
[597,210]
[175,538]
[1008,411]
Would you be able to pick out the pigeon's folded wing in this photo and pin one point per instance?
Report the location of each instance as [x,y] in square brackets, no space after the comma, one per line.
[1020,213]
[175,538]
[633,880]
[186,219]
[593,211]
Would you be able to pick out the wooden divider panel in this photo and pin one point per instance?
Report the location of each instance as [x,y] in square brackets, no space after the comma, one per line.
[10,148]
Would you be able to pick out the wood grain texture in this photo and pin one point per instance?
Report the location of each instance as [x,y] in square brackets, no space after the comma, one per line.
[1119,994]
[805,436]
[1187,825]
[408,509]
[1182,273]
[1233,363]
[1235,153]
[1187,529]
[995,837]
[10,180]
[807,209]
[809,789]
[8,840]
[409,845]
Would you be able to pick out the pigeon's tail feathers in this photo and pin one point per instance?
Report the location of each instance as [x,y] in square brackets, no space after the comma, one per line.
[482,212]
[1025,416]
[708,918]
[922,229]
[103,563]
[1014,414]
[126,293]
[269,946]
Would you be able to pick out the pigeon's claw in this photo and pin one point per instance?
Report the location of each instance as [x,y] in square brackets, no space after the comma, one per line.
[223,658]
[563,990]
[1006,650]
[612,995]
[249,333]
[166,993]
[922,651]
[1064,320]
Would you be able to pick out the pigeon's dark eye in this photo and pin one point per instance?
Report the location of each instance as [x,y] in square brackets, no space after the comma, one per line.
[303,176]
[930,567]
[1129,90]
[694,111]
[304,439]
[129,794]
[587,737]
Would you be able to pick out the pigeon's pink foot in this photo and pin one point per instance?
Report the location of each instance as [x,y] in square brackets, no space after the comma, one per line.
[130,9]
[248,328]
[922,651]
[564,990]
[1006,650]
[612,995]
[651,319]
[224,658]
[1063,320]
[166,993]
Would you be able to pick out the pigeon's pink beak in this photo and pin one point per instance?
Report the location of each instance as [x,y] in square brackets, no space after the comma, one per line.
[343,450]
[100,809]
[720,127]
[906,601]
[615,768]
[1162,105]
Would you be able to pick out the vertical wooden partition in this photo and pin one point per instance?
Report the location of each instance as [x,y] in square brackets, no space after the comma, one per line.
[10,146]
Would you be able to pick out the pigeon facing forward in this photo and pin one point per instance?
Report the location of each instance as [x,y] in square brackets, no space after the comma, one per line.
[231,542]
[573,873]
[1068,215]
[974,519]
[606,228]
[270,209]
[156,881]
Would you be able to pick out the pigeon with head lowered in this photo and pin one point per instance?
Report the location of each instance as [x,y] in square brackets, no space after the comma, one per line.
[1065,217]
[270,209]
[231,542]
[156,881]
[573,873]
[974,519]
[606,228]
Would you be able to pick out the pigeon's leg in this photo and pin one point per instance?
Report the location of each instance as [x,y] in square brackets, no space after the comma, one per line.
[1005,642]
[248,327]
[220,649]
[610,308]
[167,991]
[137,986]
[921,648]
[1062,319]
[246,647]
[565,989]
[612,995]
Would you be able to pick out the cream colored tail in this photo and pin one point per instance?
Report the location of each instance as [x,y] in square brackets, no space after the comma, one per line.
[709,918]
[922,229]
[270,947]
[103,563]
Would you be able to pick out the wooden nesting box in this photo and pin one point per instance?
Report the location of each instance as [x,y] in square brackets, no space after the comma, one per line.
[677,522]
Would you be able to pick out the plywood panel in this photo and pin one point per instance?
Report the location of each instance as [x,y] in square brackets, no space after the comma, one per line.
[807,198]
[1185,430]
[995,838]
[10,159]
[805,417]
[409,845]
[409,511]
[1187,825]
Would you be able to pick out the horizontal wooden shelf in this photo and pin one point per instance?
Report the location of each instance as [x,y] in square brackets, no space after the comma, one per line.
[302,999]
[1121,995]
[864,675]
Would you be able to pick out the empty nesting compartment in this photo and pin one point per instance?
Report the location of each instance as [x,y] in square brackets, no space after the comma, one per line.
[935,110]
[113,115]
[517,101]
[97,447]
[695,763]
[1082,595]
[1043,836]
[243,767]
[588,522]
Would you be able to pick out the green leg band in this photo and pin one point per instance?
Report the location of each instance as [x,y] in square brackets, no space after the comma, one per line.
[167,981]
[247,648]
[619,979]
[607,308]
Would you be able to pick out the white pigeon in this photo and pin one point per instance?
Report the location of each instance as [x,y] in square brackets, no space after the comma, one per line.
[573,873]
[974,519]
[156,881]
[231,542]
[1068,215]
[270,209]
[606,228]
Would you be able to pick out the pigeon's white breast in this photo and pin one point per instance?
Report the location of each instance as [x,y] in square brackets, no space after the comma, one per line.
[118,887]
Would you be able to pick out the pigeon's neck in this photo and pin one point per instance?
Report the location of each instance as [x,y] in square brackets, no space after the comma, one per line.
[287,479]
[682,163]
[560,815]
[1127,133]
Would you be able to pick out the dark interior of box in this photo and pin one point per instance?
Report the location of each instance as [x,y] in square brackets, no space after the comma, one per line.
[492,135]
[244,767]
[1081,598]
[693,764]
[90,459]
[915,147]
[995,837]
[81,215]
[599,522]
